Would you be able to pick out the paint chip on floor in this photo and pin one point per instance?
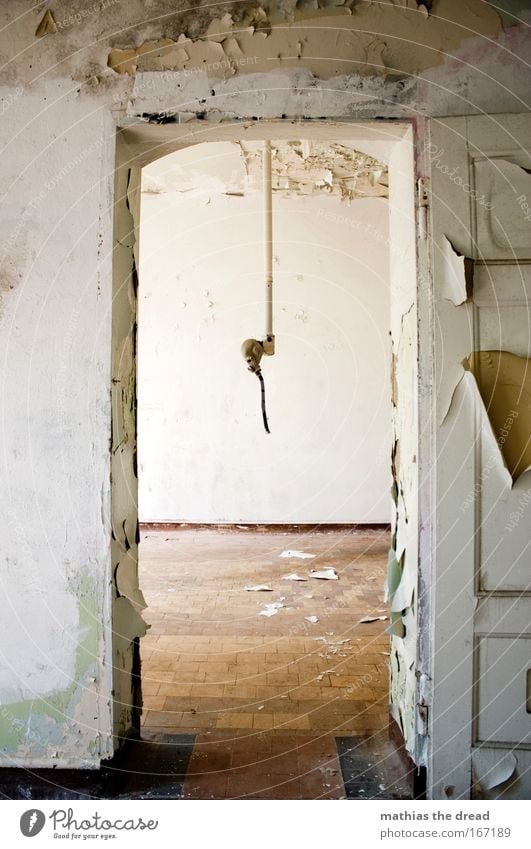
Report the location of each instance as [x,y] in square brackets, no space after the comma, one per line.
[271,609]
[327,574]
[302,555]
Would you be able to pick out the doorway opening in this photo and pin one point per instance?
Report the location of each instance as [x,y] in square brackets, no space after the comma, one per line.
[263,557]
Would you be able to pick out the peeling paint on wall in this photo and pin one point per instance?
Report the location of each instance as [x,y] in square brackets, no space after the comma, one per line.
[495,391]
[302,167]
[46,25]
[458,278]
[493,768]
[312,167]
[126,578]
[403,556]
[504,383]
[372,39]
[128,625]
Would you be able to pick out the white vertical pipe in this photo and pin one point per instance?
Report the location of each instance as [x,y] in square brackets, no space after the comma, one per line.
[268,235]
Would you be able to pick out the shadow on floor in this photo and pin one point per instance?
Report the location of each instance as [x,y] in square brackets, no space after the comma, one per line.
[265,766]
[143,769]
[374,768]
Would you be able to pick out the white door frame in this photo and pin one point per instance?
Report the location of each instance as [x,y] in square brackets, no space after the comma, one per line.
[139,143]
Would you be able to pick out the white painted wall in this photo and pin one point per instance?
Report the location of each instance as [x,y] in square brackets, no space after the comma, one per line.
[203,453]
[55,335]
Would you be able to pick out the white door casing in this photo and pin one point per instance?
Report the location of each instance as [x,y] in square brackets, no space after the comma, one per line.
[138,144]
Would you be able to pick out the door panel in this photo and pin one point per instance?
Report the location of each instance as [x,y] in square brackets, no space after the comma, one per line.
[503,186]
[502,690]
[502,298]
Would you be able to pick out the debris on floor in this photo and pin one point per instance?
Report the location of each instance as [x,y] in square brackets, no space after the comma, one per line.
[326,574]
[367,619]
[334,648]
[293,577]
[271,609]
[302,555]
[332,642]
[259,588]
[269,697]
[312,619]
[328,771]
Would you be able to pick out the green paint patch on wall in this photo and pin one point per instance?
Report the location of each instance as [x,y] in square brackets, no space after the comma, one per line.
[42,723]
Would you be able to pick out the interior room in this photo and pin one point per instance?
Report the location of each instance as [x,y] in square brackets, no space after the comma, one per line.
[271,667]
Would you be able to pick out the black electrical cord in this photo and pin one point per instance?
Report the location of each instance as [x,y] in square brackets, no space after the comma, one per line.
[262,389]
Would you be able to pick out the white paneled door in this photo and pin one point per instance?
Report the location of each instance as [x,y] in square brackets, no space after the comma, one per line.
[480,199]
